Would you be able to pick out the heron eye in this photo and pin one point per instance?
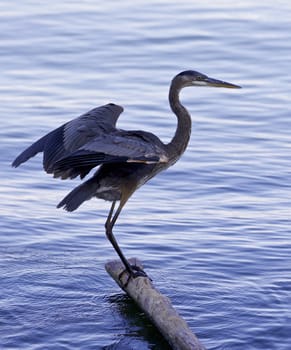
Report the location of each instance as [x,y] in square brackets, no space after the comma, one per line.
[199,78]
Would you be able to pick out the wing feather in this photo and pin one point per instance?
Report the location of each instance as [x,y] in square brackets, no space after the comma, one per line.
[71,136]
[120,146]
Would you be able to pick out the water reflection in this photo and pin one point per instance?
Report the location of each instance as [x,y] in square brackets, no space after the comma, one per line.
[139,331]
[213,232]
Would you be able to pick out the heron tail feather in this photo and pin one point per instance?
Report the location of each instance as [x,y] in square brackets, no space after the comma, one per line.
[80,194]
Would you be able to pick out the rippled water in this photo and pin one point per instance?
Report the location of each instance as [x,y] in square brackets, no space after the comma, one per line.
[213,231]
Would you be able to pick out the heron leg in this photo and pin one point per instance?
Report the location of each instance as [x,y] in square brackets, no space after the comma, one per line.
[133,271]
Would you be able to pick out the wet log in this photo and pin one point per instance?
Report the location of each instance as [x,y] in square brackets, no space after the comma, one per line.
[156,306]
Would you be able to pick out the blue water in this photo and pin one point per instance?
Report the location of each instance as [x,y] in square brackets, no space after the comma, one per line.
[213,231]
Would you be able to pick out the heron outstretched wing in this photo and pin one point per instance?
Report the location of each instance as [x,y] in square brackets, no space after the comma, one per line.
[72,135]
[118,146]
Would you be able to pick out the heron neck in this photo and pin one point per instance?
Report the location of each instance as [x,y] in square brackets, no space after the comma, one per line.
[182,135]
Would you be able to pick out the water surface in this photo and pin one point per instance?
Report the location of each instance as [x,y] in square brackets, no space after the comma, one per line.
[213,231]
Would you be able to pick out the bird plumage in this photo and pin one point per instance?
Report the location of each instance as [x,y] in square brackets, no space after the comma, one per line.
[72,135]
[125,159]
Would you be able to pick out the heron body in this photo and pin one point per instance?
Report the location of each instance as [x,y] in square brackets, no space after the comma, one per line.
[125,159]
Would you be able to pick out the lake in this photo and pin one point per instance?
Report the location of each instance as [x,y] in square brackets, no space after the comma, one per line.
[213,231]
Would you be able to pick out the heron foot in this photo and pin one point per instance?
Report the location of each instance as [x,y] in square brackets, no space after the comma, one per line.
[134,272]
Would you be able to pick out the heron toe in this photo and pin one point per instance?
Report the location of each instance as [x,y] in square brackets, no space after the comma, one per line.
[135,271]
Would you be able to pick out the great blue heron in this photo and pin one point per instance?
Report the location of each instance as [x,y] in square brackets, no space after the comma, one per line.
[128,159]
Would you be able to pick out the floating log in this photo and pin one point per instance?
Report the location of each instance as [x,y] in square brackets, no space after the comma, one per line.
[155,305]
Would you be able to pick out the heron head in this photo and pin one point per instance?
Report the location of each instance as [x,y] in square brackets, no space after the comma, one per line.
[193,78]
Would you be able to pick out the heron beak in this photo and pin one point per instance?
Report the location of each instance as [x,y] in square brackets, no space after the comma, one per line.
[220,83]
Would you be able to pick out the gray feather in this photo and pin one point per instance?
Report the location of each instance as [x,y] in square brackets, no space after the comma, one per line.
[80,194]
[72,135]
